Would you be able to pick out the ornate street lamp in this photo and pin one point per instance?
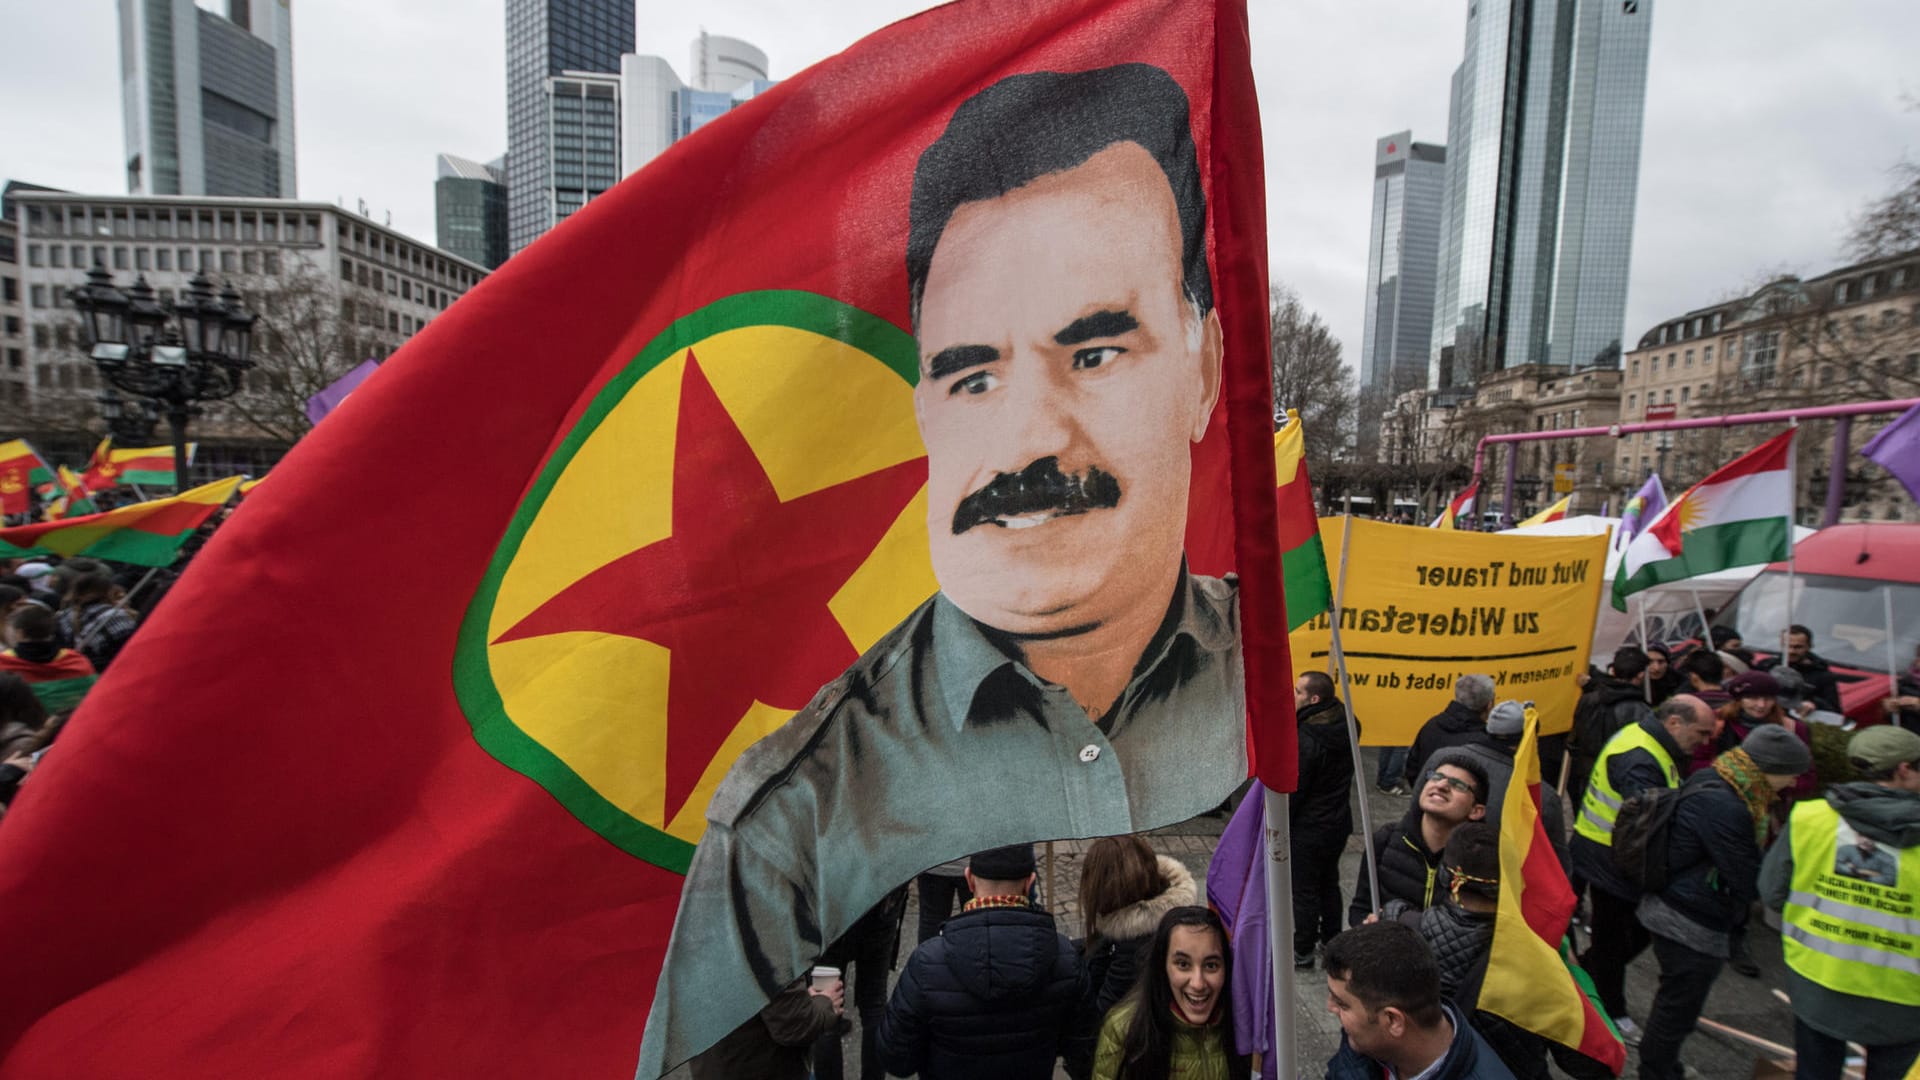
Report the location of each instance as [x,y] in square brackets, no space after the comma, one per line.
[129,422]
[174,355]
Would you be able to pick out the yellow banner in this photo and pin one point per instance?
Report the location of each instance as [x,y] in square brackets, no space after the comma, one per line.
[1423,607]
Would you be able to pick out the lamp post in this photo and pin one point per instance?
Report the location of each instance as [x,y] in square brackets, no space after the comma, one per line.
[175,355]
[129,422]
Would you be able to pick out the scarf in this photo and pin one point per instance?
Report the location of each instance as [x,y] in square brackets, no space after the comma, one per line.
[1747,781]
[980,902]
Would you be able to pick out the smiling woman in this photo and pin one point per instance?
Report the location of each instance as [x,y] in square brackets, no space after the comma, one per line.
[1178,1021]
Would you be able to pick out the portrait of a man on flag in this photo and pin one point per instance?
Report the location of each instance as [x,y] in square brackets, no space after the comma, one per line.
[1072,677]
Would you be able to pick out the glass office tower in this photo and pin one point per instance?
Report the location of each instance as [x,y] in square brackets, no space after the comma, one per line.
[470,209]
[548,39]
[1543,162]
[1409,184]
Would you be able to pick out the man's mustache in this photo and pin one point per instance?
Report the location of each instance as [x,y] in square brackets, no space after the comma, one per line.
[1038,488]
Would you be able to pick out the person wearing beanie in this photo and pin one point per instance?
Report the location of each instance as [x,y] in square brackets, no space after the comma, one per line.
[1843,875]
[1713,875]
[1756,703]
[996,994]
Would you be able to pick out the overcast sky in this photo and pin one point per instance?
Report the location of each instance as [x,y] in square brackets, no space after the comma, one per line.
[1769,122]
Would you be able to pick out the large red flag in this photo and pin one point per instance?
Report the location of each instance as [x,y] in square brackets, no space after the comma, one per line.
[923,392]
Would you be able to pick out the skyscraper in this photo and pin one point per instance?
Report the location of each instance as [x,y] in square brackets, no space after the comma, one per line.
[1409,183]
[661,110]
[208,100]
[470,209]
[1543,163]
[563,107]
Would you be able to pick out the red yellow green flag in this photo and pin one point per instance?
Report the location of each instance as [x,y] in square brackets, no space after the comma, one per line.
[66,496]
[21,468]
[145,534]
[1552,513]
[138,466]
[1530,981]
[1304,558]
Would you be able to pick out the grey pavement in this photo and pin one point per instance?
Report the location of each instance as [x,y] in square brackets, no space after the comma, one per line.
[1749,1005]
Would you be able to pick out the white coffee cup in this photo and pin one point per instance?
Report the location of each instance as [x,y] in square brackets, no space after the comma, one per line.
[825,977]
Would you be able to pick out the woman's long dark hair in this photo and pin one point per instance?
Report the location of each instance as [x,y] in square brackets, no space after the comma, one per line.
[1146,1052]
[18,703]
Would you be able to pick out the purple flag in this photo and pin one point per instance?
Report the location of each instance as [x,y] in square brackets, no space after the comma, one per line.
[336,392]
[1897,450]
[1237,889]
[1640,510]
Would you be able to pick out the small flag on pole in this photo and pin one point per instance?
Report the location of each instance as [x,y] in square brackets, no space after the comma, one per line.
[1462,505]
[1303,558]
[1897,449]
[1552,513]
[330,397]
[1739,516]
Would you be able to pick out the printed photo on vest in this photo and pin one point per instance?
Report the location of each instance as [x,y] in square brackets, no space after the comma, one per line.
[1860,858]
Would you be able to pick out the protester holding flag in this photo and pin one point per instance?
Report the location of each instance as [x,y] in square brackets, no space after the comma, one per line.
[1713,871]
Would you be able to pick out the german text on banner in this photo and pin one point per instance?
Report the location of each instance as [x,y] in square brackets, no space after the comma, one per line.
[886,475]
[1423,608]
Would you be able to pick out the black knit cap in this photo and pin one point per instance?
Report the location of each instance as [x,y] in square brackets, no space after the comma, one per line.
[1009,863]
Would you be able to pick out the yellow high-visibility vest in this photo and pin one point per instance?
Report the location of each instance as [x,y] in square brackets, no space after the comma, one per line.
[1850,923]
[1602,805]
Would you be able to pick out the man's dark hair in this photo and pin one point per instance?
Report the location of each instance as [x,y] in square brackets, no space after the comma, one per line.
[90,587]
[1318,685]
[1721,635]
[1388,964]
[1796,628]
[32,622]
[1707,664]
[1473,852]
[1026,126]
[1467,765]
[1628,661]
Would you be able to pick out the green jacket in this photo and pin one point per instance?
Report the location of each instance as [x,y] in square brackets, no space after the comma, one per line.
[1892,818]
[1199,1053]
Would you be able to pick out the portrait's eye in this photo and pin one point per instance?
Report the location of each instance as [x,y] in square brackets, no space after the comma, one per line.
[1084,359]
[977,383]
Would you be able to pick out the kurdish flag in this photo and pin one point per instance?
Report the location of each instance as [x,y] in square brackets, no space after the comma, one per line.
[1309,589]
[1462,505]
[1530,981]
[1552,513]
[712,466]
[145,534]
[20,469]
[142,466]
[71,498]
[1739,516]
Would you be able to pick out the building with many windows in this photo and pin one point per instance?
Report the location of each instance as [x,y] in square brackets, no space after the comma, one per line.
[563,108]
[1543,161]
[1851,334]
[470,209]
[332,288]
[661,110]
[1409,181]
[207,99]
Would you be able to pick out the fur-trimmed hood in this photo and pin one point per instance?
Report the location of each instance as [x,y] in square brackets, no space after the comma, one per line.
[1141,918]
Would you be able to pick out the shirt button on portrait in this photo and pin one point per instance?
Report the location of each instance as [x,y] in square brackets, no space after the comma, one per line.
[1089,753]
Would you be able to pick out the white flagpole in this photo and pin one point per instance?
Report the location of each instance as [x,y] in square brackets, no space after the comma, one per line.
[1706,630]
[1279,874]
[1893,665]
[1645,684]
[1353,726]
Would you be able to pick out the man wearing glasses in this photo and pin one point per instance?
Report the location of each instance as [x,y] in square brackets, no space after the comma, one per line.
[1452,793]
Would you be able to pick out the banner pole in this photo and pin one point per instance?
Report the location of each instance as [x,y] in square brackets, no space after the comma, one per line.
[1893,665]
[1646,684]
[1706,628]
[1353,725]
[1279,883]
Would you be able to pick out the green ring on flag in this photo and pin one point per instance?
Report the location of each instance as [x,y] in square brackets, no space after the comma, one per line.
[473,683]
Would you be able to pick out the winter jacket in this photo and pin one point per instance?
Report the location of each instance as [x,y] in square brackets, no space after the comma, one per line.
[1408,871]
[1199,1053]
[1119,939]
[993,996]
[1607,706]
[1886,816]
[1455,725]
[773,1044]
[1823,686]
[1322,807]
[1469,1058]
[1630,773]
[1461,940]
[1494,756]
[1713,867]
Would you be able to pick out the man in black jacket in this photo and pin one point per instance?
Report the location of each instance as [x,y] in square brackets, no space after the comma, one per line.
[1463,720]
[1713,878]
[1611,702]
[1322,816]
[1408,851]
[995,994]
[1823,686]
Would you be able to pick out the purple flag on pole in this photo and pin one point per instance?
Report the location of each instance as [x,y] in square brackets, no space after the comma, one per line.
[336,392]
[1641,509]
[1897,450]
[1237,889]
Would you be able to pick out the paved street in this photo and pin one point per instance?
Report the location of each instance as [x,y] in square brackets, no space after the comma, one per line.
[1746,1004]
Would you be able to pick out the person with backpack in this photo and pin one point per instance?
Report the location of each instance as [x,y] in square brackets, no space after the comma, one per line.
[1711,872]
[1647,755]
[1610,702]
